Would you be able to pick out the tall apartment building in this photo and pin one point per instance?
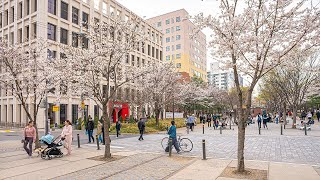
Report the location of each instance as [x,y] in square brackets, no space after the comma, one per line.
[222,79]
[61,21]
[188,54]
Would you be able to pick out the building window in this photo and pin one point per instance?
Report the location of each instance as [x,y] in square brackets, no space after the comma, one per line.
[168,39]
[168,21]
[149,50]
[63,36]
[178,37]
[161,55]
[172,20]
[138,61]
[20,9]
[85,43]
[85,19]
[75,15]
[168,31]
[104,8]
[178,56]
[64,10]
[178,65]
[127,58]
[168,48]
[111,11]
[159,24]
[20,35]
[178,28]
[0,20]
[52,6]
[132,60]
[27,2]
[96,4]
[12,14]
[157,53]
[178,46]
[75,40]
[178,19]
[152,51]
[34,30]
[51,32]
[51,54]
[6,16]
[27,33]
[168,58]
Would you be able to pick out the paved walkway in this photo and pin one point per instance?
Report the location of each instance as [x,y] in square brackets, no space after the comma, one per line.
[137,165]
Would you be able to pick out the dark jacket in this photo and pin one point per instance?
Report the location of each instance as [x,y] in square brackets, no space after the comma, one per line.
[90,125]
[118,125]
[141,125]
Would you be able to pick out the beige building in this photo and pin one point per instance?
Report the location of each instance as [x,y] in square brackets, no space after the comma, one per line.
[24,21]
[188,54]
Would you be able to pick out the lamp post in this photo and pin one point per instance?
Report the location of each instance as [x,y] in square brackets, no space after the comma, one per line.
[46,110]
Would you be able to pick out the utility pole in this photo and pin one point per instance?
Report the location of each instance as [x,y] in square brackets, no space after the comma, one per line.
[46,115]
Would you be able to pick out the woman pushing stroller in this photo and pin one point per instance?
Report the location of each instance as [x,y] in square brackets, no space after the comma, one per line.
[66,135]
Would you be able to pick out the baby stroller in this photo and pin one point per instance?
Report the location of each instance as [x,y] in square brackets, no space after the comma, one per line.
[52,150]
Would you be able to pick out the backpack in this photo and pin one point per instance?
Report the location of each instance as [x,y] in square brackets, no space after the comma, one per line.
[259,118]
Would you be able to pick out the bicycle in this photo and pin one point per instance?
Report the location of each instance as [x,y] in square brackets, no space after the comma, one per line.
[185,144]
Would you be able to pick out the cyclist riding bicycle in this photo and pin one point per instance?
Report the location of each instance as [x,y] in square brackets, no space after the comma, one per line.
[173,135]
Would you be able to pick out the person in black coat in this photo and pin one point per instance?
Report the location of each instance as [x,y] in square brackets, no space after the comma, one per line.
[118,127]
[90,127]
[141,126]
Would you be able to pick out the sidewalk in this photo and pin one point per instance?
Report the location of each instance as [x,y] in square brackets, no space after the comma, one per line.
[137,165]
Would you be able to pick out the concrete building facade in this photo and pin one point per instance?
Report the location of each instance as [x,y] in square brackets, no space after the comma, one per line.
[188,54]
[222,79]
[25,21]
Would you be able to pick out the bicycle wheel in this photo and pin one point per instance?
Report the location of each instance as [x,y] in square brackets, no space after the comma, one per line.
[186,144]
[164,142]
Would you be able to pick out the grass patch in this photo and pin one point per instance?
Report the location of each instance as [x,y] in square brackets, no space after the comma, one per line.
[132,128]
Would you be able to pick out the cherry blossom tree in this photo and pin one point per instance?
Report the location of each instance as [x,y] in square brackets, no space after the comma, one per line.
[292,80]
[27,75]
[253,37]
[158,87]
[100,70]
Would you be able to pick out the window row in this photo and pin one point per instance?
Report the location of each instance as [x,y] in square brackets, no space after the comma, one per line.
[23,34]
[24,8]
[168,39]
[178,46]
[172,57]
[178,19]
[178,28]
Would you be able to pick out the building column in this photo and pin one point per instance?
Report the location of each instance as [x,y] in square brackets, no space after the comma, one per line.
[69,110]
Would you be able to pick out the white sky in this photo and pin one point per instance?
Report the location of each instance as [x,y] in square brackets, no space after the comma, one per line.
[150,8]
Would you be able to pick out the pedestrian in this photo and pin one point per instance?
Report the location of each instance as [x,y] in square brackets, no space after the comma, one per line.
[303,115]
[141,126]
[29,134]
[90,127]
[318,115]
[99,131]
[118,127]
[259,120]
[209,120]
[276,118]
[173,136]
[190,121]
[309,115]
[265,121]
[66,135]
[215,121]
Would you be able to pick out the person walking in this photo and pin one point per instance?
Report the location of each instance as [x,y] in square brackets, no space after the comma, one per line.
[141,126]
[29,134]
[215,121]
[259,120]
[173,135]
[190,121]
[99,131]
[318,115]
[66,135]
[265,121]
[90,127]
[118,127]
[209,120]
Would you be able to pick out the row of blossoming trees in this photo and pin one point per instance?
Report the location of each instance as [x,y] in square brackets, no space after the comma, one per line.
[28,73]
[254,37]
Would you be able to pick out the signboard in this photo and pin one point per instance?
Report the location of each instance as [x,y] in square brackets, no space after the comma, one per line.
[117,105]
[176,115]
[55,108]
[82,105]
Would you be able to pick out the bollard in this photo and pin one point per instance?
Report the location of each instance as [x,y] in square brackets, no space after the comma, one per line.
[170,147]
[78,137]
[98,147]
[220,129]
[230,124]
[259,130]
[204,157]
[284,126]
[281,130]
[305,129]
[202,128]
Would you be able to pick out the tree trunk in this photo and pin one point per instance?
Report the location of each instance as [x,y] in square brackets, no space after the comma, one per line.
[284,113]
[37,143]
[157,112]
[106,117]
[294,114]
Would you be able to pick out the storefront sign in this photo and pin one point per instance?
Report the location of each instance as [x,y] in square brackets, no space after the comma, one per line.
[55,108]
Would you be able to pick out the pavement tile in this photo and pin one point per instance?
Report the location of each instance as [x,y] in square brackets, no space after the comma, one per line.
[292,171]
